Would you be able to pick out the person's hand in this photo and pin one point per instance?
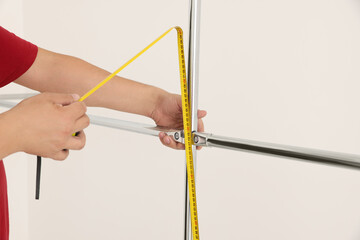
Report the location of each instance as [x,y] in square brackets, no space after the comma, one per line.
[43,125]
[168,113]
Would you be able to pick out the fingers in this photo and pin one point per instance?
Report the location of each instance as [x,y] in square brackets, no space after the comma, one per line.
[63,99]
[76,142]
[201,113]
[61,155]
[76,109]
[200,129]
[82,123]
[169,142]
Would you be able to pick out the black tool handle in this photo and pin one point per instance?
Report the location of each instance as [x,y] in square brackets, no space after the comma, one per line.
[38,174]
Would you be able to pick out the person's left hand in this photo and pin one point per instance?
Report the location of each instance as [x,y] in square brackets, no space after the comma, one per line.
[168,113]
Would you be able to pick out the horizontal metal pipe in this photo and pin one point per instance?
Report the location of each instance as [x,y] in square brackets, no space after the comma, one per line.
[7,104]
[141,128]
[16,96]
[210,140]
[279,150]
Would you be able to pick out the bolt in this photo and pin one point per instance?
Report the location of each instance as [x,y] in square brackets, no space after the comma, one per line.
[176,136]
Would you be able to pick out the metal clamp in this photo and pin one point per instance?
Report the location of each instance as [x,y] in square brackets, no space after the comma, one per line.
[201,139]
[178,136]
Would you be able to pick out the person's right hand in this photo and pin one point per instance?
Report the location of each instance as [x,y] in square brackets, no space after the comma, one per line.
[43,125]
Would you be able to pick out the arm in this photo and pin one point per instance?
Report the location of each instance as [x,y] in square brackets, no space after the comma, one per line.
[7,143]
[54,72]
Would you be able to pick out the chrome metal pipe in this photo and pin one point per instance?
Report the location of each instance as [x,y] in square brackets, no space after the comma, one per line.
[141,128]
[210,140]
[193,83]
[193,63]
[16,96]
[7,104]
[279,150]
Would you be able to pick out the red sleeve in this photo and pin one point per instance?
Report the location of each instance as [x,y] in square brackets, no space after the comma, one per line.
[16,56]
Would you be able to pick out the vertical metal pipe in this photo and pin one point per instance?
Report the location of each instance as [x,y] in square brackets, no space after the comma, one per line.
[193,83]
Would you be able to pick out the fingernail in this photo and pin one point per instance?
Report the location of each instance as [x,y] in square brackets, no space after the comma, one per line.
[75,96]
[162,134]
[167,140]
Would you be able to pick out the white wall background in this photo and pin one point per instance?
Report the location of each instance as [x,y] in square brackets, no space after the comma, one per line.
[279,71]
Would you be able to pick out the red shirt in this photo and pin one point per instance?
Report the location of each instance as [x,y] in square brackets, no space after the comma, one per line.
[16,57]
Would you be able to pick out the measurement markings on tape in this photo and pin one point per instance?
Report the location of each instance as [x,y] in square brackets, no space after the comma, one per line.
[188,137]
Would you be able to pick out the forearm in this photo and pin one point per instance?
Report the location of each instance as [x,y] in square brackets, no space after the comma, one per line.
[7,143]
[53,72]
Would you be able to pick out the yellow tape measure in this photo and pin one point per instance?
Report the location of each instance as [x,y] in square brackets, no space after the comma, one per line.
[186,120]
[188,138]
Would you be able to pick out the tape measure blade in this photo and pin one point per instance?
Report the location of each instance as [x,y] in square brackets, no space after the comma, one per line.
[188,137]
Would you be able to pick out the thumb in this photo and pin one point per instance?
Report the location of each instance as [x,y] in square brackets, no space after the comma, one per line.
[201,113]
[64,99]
